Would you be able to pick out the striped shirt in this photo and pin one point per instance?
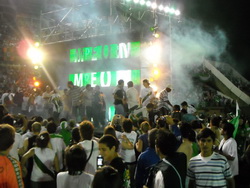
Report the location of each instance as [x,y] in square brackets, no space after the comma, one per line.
[211,172]
[75,93]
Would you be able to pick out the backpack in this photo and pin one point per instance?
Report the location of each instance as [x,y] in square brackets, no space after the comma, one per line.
[171,176]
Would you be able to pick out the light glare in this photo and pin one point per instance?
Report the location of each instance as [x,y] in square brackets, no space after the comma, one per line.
[148,3]
[142,2]
[154,5]
[177,12]
[161,7]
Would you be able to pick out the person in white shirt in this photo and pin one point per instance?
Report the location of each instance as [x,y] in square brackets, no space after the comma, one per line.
[132,96]
[75,176]
[228,147]
[147,93]
[90,145]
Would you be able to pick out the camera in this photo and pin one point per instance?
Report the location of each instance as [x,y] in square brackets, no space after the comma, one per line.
[100,162]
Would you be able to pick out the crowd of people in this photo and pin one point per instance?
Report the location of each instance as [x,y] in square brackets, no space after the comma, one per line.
[149,143]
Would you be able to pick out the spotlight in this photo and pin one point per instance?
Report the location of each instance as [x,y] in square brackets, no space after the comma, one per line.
[136,1]
[156,35]
[166,9]
[36,83]
[172,11]
[177,12]
[148,3]
[36,67]
[142,2]
[37,44]
[161,7]
[35,55]
[154,5]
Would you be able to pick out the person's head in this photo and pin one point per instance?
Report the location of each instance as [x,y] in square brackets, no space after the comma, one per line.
[227,130]
[150,107]
[36,127]
[88,87]
[7,137]
[70,84]
[76,137]
[43,139]
[176,108]
[145,83]
[215,122]
[151,137]
[127,125]
[206,139]
[51,127]
[39,119]
[145,127]
[109,130]
[75,158]
[86,130]
[168,88]
[108,147]
[165,143]
[107,177]
[121,83]
[8,119]
[130,84]
[184,105]
[97,88]
[162,123]
[185,130]
[196,124]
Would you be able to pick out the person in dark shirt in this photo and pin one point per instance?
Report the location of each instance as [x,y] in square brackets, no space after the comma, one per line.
[108,147]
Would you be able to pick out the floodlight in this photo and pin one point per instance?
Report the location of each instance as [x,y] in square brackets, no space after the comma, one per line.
[136,1]
[154,5]
[148,3]
[166,9]
[142,2]
[161,7]
[177,12]
[172,11]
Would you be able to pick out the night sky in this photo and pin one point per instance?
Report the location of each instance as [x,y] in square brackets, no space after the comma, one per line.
[233,18]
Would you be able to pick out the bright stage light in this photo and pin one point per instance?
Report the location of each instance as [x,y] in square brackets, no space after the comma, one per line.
[156,72]
[156,35]
[35,55]
[36,67]
[148,3]
[161,7]
[36,83]
[136,1]
[155,88]
[153,53]
[172,11]
[177,12]
[142,2]
[166,9]
[37,44]
[154,5]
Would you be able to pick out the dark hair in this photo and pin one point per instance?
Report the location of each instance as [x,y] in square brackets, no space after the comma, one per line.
[130,84]
[51,119]
[8,119]
[205,133]
[185,130]
[177,107]
[216,121]
[63,119]
[120,82]
[75,158]
[7,136]
[86,130]
[70,83]
[51,127]
[109,130]
[151,137]
[127,125]
[150,105]
[146,81]
[107,177]
[29,125]
[166,142]
[196,124]
[229,128]
[184,103]
[39,119]
[110,141]
[3,112]
[76,137]
[43,139]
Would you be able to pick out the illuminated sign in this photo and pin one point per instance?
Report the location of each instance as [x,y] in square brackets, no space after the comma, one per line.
[105,79]
[112,51]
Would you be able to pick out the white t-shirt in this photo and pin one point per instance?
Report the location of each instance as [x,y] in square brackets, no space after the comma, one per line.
[58,146]
[230,148]
[144,92]
[39,102]
[91,165]
[132,97]
[17,145]
[128,155]
[64,180]
[25,104]
[47,156]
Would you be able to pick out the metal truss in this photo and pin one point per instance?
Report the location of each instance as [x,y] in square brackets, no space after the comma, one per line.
[73,23]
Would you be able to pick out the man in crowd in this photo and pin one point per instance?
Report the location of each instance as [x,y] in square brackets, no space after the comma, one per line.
[75,94]
[147,93]
[164,102]
[209,169]
[132,97]
[48,108]
[119,98]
